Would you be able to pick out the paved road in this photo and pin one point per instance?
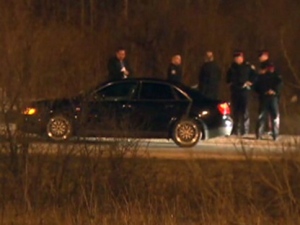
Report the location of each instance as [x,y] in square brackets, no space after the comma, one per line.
[232,148]
[225,147]
[218,147]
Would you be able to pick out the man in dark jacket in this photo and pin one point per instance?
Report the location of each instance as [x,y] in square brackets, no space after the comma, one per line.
[118,67]
[209,77]
[174,72]
[264,61]
[240,77]
[268,85]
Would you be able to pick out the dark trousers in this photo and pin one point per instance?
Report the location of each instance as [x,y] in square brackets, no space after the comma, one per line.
[240,114]
[270,119]
[268,106]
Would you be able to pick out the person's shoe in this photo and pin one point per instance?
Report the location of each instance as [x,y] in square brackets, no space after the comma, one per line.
[259,137]
[275,137]
[268,133]
[244,134]
[234,133]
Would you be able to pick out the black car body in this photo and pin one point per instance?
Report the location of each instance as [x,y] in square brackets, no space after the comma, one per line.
[131,108]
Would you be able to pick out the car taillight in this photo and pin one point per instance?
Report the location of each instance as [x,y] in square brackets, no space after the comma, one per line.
[224,108]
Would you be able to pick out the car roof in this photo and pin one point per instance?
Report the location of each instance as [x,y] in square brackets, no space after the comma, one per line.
[190,91]
[142,79]
[105,83]
[102,84]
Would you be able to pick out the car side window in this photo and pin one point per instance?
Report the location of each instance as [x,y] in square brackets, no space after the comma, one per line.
[119,91]
[154,91]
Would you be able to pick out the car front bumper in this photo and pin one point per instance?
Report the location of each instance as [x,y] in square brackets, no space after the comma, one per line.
[31,124]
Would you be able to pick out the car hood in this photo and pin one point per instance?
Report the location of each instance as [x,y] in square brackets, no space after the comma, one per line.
[54,103]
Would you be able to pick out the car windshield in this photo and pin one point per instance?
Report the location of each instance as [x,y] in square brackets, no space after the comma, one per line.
[91,90]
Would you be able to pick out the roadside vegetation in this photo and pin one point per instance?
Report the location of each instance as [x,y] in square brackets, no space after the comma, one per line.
[121,184]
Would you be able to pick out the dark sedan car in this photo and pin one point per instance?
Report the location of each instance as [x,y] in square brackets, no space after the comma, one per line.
[131,108]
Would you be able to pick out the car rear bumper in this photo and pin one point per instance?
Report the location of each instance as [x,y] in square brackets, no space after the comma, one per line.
[224,129]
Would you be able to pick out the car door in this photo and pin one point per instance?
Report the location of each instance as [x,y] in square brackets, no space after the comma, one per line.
[158,105]
[110,108]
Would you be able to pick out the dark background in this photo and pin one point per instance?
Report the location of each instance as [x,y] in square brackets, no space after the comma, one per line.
[52,48]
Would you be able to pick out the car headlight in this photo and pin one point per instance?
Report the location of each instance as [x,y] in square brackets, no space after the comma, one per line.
[30,111]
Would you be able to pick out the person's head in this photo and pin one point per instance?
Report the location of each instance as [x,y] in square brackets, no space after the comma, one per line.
[238,57]
[263,55]
[267,67]
[209,56]
[176,59]
[121,53]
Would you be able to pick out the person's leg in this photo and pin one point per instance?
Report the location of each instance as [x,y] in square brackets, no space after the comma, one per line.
[274,114]
[235,113]
[244,113]
[269,124]
[262,114]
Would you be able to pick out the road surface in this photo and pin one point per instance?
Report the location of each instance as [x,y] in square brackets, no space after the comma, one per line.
[224,147]
[217,147]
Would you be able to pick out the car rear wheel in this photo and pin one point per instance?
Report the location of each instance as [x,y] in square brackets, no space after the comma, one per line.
[59,128]
[186,133]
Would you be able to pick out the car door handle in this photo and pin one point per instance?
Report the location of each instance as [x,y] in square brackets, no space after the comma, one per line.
[169,106]
[126,106]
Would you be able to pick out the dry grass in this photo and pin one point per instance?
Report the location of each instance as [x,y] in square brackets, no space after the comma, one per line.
[75,185]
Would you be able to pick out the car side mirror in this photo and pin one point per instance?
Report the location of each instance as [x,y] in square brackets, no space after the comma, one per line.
[94,98]
[101,97]
[98,97]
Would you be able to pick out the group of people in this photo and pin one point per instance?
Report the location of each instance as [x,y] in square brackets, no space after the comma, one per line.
[241,77]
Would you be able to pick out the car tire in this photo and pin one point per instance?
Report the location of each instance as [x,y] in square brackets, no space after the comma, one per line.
[186,133]
[59,128]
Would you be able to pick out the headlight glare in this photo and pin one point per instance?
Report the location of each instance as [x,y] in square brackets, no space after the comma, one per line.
[29,111]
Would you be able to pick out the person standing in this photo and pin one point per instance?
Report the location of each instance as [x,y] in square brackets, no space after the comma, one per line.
[268,86]
[118,66]
[209,77]
[264,61]
[174,72]
[240,77]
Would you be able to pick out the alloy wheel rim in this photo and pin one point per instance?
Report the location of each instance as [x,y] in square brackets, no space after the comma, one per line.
[187,133]
[58,128]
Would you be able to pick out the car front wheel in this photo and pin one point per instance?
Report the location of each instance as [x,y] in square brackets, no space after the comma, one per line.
[59,128]
[186,133]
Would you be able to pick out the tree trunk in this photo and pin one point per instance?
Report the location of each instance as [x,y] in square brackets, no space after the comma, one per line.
[125,10]
[82,22]
[92,13]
